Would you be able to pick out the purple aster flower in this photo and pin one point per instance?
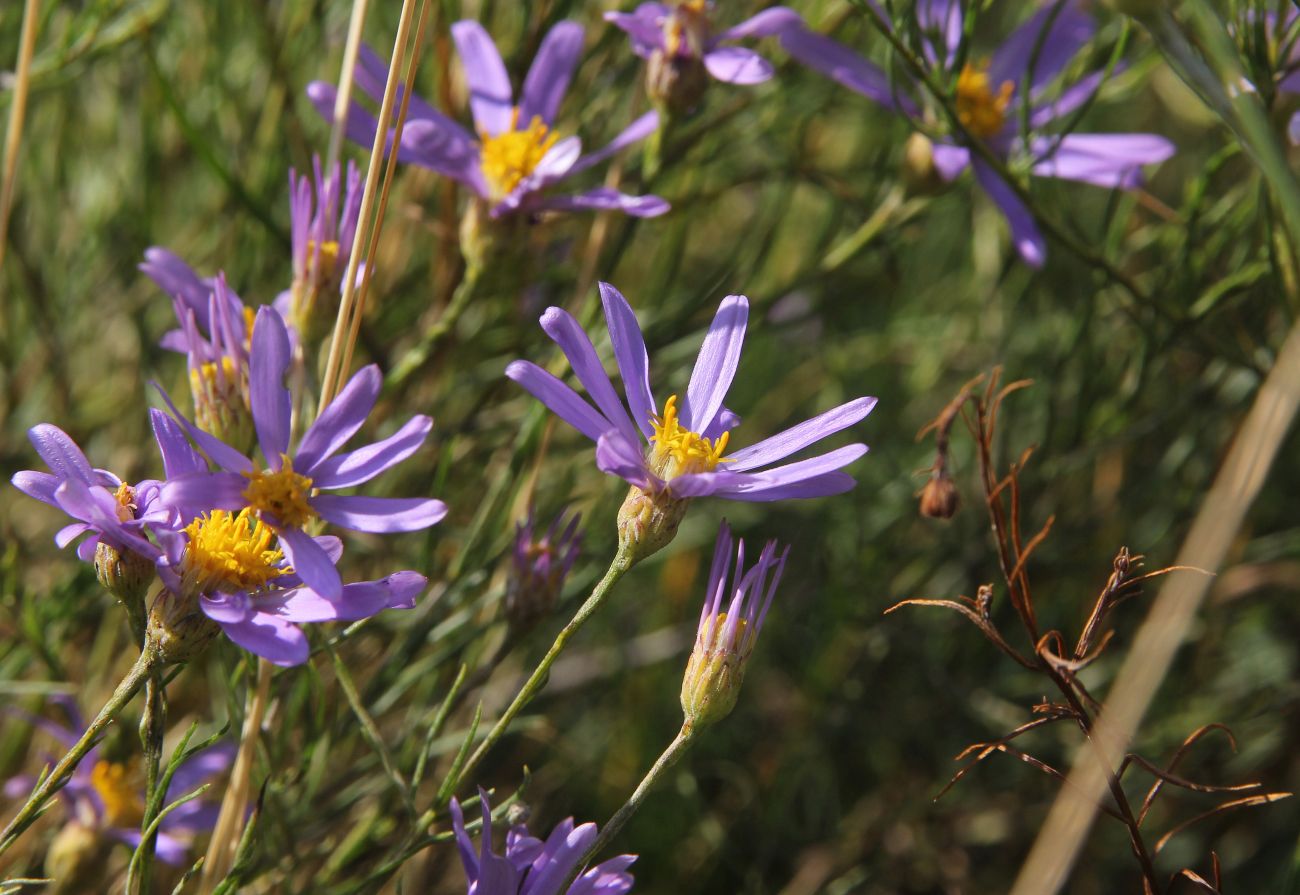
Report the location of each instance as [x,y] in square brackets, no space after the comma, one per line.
[533,867]
[192,295]
[730,622]
[539,566]
[323,212]
[287,492]
[1024,69]
[679,451]
[517,155]
[682,47]
[107,797]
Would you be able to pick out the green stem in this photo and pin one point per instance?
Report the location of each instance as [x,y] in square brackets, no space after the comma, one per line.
[152,727]
[676,749]
[621,563]
[419,354]
[62,771]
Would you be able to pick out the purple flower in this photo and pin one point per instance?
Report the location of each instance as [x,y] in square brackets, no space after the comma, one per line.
[286,492]
[323,212]
[517,155]
[192,296]
[102,505]
[1023,70]
[539,566]
[678,452]
[533,867]
[683,31]
[108,797]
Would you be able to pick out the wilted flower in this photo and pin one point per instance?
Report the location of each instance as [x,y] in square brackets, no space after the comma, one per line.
[987,94]
[517,155]
[672,456]
[285,493]
[939,497]
[104,800]
[729,626]
[683,50]
[323,212]
[538,568]
[533,867]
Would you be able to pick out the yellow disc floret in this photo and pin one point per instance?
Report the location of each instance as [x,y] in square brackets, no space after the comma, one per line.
[118,789]
[513,154]
[677,451]
[326,256]
[280,493]
[126,506]
[979,109]
[230,552]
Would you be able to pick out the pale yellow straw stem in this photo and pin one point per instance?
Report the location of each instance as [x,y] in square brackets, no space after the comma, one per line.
[17,115]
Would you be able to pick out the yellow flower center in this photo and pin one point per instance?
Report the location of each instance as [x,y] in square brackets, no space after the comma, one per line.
[513,154]
[679,451]
[979,109]
[203,378]
[125,503]
[230,552]
[116,786]
[281,494]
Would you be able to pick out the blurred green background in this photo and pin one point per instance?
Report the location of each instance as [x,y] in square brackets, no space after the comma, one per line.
[176,123]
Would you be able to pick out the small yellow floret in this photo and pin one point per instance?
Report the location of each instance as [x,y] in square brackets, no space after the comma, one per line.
[979,109]
[678,451]
[513,154]
[229,552]
[326,256]
[281,494]
[210,378]
[116,786]
[126,506]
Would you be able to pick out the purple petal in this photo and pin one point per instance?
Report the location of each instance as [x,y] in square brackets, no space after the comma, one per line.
[227,609]
[565,332]
[311,562]
[274,639]
[715,367]
[782,445]
[1105,160]
[363,464]
[178,455]
[1293,129]
[605,198]
[485,74]
[217,450]
[771,22]
[942,19]
[725,421]
[1070,99]
[607,878]
[564,847]
[950,161]
[826,485]
[372,76]
[206,491]
[202,767]
[562,400]
[69,533]
[737,65]
[468,857]
[61,453]
[842,65]
[644,27]
[340,419]
[178,280]
[1028,241]
[638,130]
[551,71]
[429,143]
[359,126]
[382,515]
[615,455]
[359,600]
[702,484]
[802,469]
[39,485]
[1071,28]
[630,353]
[270,401]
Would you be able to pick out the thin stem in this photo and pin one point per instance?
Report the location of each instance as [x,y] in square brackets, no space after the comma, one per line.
[226,833]
[621,563]
[52,782]
[676,749]
[17,115]
[152,727]
[419,354]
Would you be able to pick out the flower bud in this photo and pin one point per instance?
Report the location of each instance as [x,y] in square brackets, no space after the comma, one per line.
[538,568]
[728,629]
[647,522]
[675,83]
[919,173]
[939,497]
[178,630]
[77,860]
[124,573]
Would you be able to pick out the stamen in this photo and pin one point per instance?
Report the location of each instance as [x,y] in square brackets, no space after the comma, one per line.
[126,505]
[512,155]
[679,451]
[229,552]
[281,494]
[979,109]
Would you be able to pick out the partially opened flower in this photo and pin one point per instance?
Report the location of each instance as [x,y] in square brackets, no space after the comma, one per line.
[323,212]
[533,867]
[539,565]
[286,490]
[1022,73]
[515,155]
[730,622]
[681,452]
[683,49]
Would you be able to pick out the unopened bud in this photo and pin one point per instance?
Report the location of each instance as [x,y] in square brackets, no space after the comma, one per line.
[178,629]
[77,860]
[538,568]
[647,522]
[919,173]
[939,497]
[220,392]
[674,82]
[124,573]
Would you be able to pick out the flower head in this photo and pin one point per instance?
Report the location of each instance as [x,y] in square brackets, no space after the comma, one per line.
[286,490]
[682,451]
[539,566]
[683,49]
[988,96]
[729,626]
[323,212]
[533,867]
[514,154]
